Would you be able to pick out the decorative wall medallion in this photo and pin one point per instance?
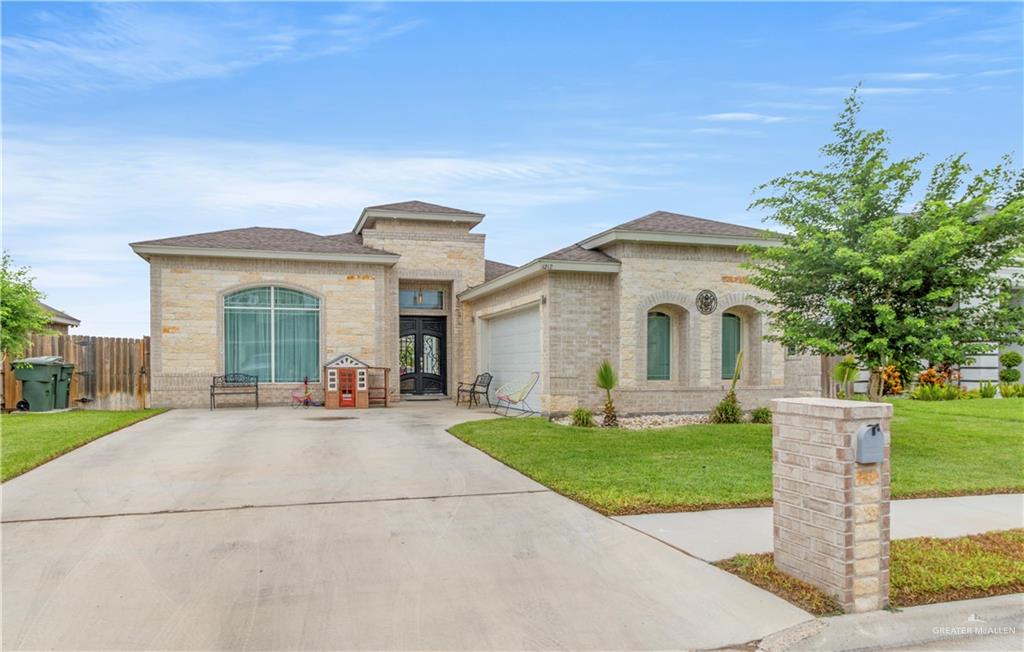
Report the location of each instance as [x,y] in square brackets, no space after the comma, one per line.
[706,302]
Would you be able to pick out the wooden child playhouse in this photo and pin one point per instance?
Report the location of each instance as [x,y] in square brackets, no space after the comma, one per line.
[351,383]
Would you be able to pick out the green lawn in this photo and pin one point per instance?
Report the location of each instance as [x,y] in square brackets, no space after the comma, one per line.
[924,570]
[939,449]
[28,440]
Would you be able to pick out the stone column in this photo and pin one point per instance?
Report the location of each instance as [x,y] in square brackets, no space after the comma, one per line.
[831,514]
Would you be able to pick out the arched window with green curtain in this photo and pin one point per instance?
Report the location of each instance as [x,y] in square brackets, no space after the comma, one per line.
[730,343]
[659,346]
[273,333]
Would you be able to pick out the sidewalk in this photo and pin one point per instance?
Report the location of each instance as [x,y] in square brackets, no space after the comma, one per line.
[723,533]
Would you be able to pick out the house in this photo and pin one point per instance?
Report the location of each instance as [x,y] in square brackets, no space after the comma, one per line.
[663,297]
[60,321]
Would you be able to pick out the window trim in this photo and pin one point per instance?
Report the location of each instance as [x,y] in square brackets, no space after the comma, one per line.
[271,309]
[671,338]
[721,337]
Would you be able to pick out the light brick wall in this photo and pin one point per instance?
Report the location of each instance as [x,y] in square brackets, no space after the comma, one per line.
[831,514]
[186,315]
[444,253]
[590,316]
[579,336]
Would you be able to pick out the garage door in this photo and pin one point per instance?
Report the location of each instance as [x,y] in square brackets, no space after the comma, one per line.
[513,349]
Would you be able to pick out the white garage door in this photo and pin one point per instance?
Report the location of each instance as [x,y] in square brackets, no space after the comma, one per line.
[513,349]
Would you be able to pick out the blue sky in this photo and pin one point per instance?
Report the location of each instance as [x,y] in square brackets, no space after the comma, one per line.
[127,122]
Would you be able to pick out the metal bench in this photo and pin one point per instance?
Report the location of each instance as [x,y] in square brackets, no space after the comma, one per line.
[231,384]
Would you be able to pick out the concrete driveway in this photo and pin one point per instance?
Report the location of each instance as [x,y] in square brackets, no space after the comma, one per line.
[301,529]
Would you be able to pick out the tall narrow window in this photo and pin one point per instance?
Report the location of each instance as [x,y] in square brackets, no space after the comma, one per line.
[659,346]
[730,344]
[273,333]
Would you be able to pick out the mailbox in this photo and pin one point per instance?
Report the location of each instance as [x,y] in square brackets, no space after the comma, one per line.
[870,444]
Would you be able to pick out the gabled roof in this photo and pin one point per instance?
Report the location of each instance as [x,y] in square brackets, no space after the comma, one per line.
[493,269]
[666,222]
[59,316]
[577,253]
[659,226]
[417,206]
[258,241]
[415,210]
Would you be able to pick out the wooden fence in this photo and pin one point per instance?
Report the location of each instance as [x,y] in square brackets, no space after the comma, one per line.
[111,373]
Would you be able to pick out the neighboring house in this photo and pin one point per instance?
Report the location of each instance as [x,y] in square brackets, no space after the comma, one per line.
[663,297]
[59,321]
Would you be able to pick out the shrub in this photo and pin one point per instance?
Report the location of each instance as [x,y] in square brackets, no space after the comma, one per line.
[1011,359]
[987,389]
[1009,375]
[892,381]
[728,410]
[761,415]
[1011,390]
[583,418]
[937,393]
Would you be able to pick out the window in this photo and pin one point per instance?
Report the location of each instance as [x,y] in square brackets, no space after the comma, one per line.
[659,346]
[273,333]
[730,344]
[426,299]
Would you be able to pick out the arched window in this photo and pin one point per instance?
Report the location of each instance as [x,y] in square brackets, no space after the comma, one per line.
[731,337]
[659,346]
[273,333]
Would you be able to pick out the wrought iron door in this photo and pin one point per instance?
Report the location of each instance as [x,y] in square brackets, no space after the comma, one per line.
[421,355]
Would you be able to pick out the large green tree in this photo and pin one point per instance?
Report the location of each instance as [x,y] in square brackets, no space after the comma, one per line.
[20,312]
[862,270]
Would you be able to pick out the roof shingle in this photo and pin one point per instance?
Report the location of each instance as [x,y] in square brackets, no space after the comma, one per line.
[270,239]
[666,222]
[577,253]
[493,269]
[417,206]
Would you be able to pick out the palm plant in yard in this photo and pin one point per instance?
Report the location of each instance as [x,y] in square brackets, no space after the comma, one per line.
[607,380]
[845,374]
[728,409]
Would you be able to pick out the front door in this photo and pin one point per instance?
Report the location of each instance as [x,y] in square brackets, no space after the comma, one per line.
[421,355]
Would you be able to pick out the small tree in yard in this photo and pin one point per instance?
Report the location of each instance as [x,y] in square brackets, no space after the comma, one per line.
[607,380]
[20,312]
[728,409]
[858,274]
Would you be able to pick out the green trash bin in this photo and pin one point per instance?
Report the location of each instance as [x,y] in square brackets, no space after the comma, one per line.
[38,378]
[62,398]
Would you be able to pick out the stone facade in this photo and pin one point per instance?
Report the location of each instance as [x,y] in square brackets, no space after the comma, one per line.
[434,255]
[831,514]
[588,311]
[590,317]
[186,304]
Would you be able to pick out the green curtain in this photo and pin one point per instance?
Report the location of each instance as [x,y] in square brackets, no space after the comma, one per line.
[247,342]
[659,346]
[296,345]
[730,344]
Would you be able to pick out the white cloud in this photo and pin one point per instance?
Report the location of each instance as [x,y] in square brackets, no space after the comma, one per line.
[74,200]
[743,117]
[122,44]
[906,76]
[877,90]
[166,185]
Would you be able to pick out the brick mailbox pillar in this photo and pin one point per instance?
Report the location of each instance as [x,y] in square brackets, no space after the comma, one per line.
[831,513]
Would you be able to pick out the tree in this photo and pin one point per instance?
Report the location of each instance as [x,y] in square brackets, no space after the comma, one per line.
[607,380]
[20,311]
[857,273]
